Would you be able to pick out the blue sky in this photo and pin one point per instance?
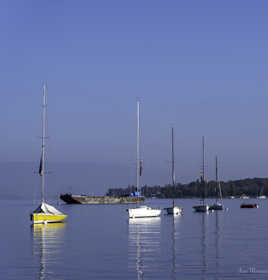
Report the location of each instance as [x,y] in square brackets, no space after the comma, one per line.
[200,66]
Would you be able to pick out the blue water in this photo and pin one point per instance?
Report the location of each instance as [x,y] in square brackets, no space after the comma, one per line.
[99,242]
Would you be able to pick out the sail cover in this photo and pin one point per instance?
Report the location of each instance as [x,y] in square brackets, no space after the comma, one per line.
[47,209]
[41,170]
[140,167]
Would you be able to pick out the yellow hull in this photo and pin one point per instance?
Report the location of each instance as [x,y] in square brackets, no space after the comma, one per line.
[42,218]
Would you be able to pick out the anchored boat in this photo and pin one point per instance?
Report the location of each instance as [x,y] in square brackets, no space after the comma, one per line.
[202,207]
[218,205]
[93,199]
[249,205]
[141,211]
[174,210]
[45,213]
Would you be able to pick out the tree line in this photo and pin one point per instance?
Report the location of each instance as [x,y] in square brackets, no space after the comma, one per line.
[252,187]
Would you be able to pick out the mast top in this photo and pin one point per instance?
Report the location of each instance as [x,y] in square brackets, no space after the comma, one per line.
[202,173]
[172,157]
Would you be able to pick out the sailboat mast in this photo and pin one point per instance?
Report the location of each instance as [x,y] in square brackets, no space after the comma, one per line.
[217,179]
[172,157]
[138,146]
[203,168]
[219,192]
[43,142]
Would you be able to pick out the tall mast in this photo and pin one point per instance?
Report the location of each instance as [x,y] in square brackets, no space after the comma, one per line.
[42,164]
[203,168]
[219,193]
[138,145]
[172,157]
[217,179]
[203,157]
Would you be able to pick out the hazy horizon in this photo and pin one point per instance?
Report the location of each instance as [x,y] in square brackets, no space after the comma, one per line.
[21,180]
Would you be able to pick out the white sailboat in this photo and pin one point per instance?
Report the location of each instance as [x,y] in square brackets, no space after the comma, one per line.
[218,205]
[45,213]
[141,211]
[202,207]
[174,210]
[261,196]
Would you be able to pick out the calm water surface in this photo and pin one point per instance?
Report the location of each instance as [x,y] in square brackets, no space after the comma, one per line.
[99,242]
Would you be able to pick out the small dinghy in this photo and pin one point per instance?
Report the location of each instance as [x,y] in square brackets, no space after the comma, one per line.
[249,205]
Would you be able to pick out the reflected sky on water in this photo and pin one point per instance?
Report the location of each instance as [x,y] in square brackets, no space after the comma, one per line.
[48,243]
[100,242]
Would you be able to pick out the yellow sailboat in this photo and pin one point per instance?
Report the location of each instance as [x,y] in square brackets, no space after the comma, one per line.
[45,213]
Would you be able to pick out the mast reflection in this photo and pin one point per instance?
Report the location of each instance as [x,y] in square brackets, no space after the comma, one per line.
[217,241]
[175,222]
[203,242]
[48,240]
[144,245]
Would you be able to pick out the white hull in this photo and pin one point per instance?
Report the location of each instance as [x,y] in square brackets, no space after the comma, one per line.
[201,208]
[143,212]
[174,210]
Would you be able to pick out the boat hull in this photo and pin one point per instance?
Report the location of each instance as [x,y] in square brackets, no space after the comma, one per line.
[216,207]
[174,210]
[86,199]
[143,212]
[252,205]
[201,208]
[44,218]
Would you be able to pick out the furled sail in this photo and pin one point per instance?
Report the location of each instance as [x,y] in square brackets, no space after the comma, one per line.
[140,167]
[41,168]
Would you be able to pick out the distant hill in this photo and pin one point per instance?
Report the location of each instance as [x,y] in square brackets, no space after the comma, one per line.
[250,187]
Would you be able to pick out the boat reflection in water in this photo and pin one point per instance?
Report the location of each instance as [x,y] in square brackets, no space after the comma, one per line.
[204,265]
[144,246]
[48,241]
[217,242]
[176,266]
[210,246]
